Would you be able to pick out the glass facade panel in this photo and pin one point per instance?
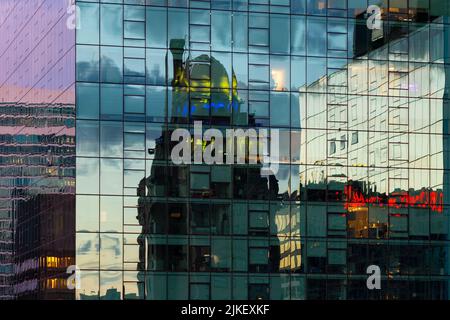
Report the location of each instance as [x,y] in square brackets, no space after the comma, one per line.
[357,117]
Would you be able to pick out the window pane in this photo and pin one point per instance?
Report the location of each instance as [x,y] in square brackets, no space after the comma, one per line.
[87,138]
[134,67]
[111,64]
[317,36]
[220,254]
[87,250]
[87,213]
[178,25]
[111,284]
[298,36]
[156,142]
[221,30]
[87,101]
[298,73]
[279,109]
[111,252]
[134,104]
[111,134]
[87,176]
[111,102]
[156,27]
[111,176]
[156,67]
[88,65]
[111,215]
[89,24]
[111,24]
[134,30]
[156,103]
[280,73]
[240,39]
[279,34]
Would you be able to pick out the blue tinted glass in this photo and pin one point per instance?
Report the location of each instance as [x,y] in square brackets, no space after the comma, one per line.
[134,30]
[134,104]
[221,4]
[221,30]
[279,34]
[156,27]
[111,139]
[298,35]
[156,67]
[88,178]
[156,102]
[298,73]
[111,102]
[111,26]
[317,36]
[111,64]
[134,67]
[88,65]
[87,138]
[298,6]
[88,32]
[178,25]
[279,109]
[88,101]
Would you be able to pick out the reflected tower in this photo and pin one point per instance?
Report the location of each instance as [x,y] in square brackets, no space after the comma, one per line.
[190,234]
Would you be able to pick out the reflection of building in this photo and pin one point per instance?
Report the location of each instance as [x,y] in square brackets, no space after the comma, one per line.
[347,160]
[37,150]
[45,244]
[381,176]
[363,174]
[202,232]
[39,161]
[365,41]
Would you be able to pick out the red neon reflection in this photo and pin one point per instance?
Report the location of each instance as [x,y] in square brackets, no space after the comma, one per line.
[425,199]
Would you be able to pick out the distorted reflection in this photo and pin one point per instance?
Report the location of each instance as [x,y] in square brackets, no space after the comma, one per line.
[362,167]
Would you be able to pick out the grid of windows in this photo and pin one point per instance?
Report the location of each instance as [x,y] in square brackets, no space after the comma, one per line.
[363,150]
[37,149]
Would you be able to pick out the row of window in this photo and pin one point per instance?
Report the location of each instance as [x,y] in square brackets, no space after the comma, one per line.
[344,150]
[257,256]
[421,221]
[159,286]
[153,27]
[332,8]
[256,71]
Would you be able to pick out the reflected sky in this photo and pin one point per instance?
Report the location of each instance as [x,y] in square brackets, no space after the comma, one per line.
[49,68]
[373,123]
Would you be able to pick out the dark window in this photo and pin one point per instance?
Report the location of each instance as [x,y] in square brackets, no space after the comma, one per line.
[332,147]
[355,138]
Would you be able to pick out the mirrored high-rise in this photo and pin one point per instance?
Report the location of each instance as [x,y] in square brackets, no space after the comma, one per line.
[37,149]
[360,104]
[362,175]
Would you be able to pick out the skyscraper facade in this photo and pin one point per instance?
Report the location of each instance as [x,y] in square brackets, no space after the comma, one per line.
[356,92]
[37,149]
[361,179]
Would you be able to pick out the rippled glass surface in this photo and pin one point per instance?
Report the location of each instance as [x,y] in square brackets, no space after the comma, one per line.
[362,176]
[37,147]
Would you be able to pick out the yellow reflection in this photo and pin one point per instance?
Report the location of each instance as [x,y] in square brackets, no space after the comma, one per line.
[290,248]
[56,283]
[57,262]
[278,76]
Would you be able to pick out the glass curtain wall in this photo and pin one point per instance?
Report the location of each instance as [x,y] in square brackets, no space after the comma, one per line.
[362,176]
